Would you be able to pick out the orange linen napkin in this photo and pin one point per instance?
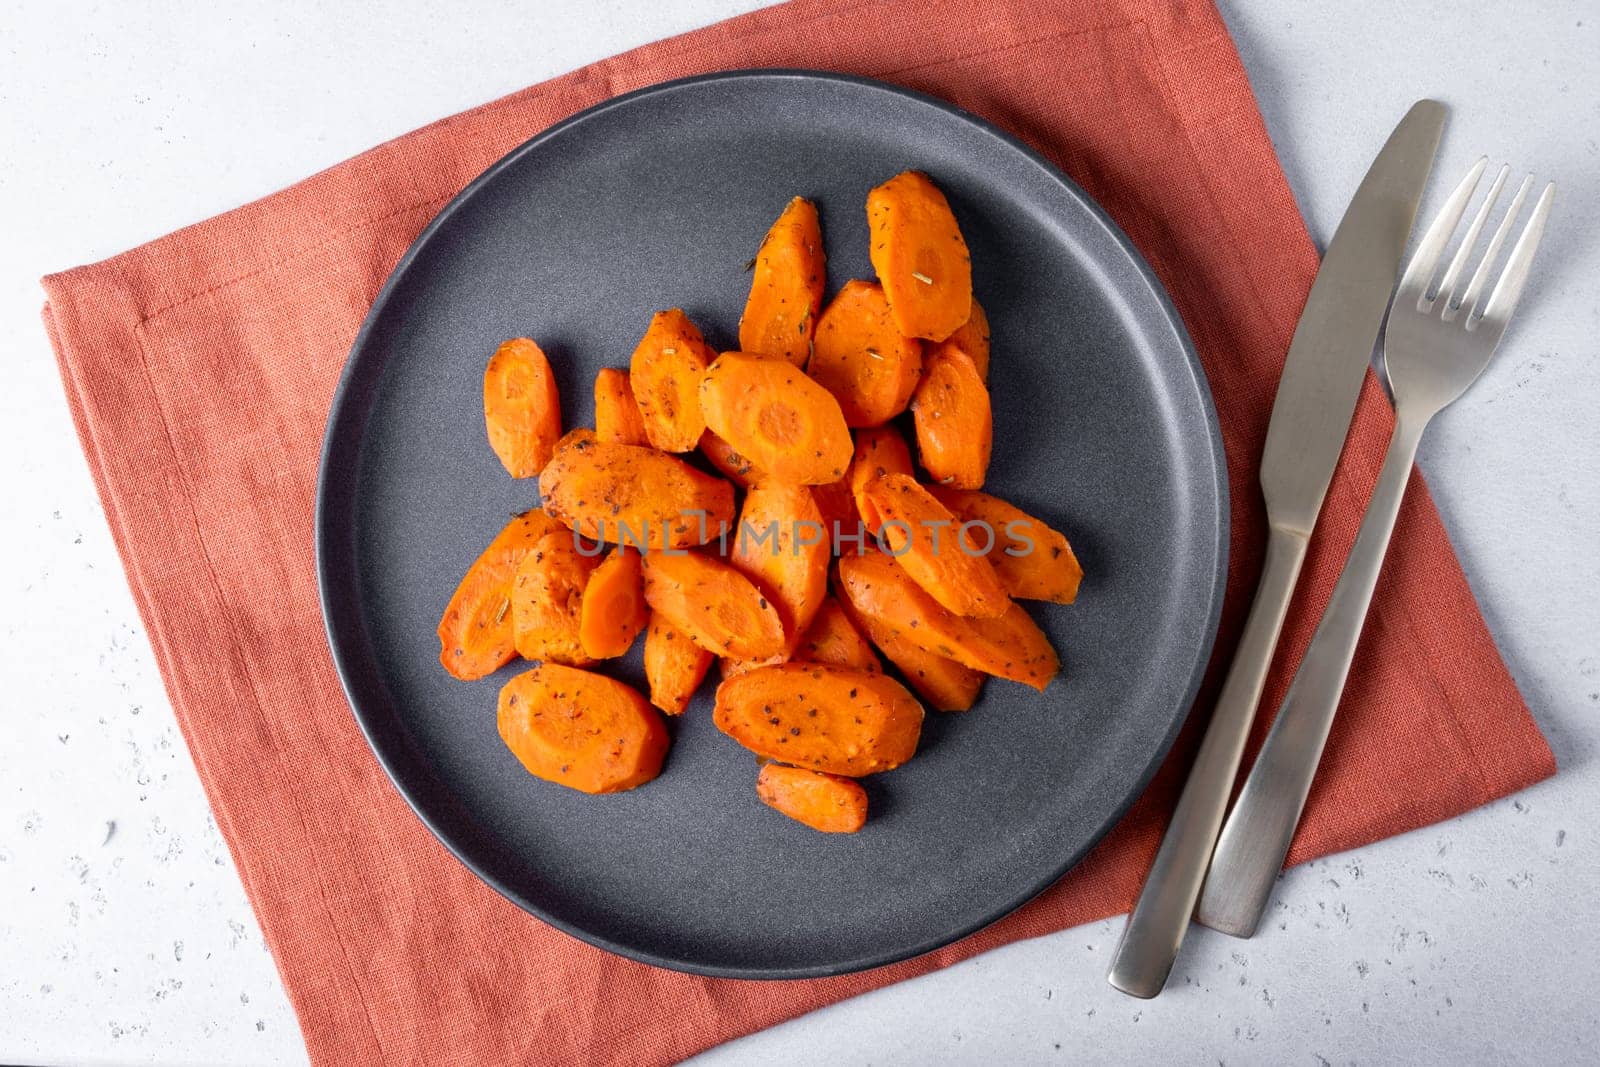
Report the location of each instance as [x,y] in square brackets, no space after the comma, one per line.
[200,369]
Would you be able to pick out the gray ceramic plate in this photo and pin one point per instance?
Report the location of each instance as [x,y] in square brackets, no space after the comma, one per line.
[1104,426]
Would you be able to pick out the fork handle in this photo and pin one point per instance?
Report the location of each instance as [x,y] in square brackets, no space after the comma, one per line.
[1256,837]
[1159,920]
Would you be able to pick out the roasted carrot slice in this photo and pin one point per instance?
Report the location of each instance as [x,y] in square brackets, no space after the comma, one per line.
[476,636]
[786,286]
[1034,562]
[521,407]
[833,498]
[581,730]
[826,802]
[782,547]
[734,467]
[665,375]
[945,684]
[955,428]
[547,599]
[578,435]
[816,715]
[920,256]
[613,609]
[719,608]
[860,357]
[833,638]
[627,494]
[616,414]
[880,451]
[922,535]
[972,338]
[674,665]
[1011,646]
[768,411]
[730,667]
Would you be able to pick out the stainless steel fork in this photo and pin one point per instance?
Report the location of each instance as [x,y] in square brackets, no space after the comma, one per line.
[1436,344]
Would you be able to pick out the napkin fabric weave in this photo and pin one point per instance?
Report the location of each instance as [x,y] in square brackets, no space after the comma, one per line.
[200,368]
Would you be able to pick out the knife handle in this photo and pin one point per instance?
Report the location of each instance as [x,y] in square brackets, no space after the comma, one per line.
[1256,839]
[1160,918]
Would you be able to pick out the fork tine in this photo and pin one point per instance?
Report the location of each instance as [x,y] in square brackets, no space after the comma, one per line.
[1491,255]
[1458,263]
[1414,285]
[1508,290]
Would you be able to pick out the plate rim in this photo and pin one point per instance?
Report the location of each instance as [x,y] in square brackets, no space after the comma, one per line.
[344,655]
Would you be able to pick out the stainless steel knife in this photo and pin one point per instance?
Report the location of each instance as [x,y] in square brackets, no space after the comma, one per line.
[1316,400]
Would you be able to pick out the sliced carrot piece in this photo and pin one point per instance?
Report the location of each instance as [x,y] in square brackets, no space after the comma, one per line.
[547,599]
[1011,646]
[616,414]
[786,284]
[730,667]
[920,256]
[1034,562]
[578,435]
[521,407]
[827,802]
[734,466]
[787,425]
[945,684]
[860,357]
[665,375]
[782,547]
[972,338]
[955,427]
[720,609]
[923,537]
[627,494]
[833,638]
[816,715]
[674,665]
[613,609]
[581,730]
[783,544]
[833,498]
[880,451]
[476,636]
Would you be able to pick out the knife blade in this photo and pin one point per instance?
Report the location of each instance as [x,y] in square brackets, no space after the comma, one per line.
[1316,399]
[1333,342]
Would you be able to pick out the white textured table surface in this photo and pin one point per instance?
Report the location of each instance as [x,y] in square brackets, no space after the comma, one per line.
[124,933]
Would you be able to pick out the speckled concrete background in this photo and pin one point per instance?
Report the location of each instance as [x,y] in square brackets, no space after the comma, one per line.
[124,934]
